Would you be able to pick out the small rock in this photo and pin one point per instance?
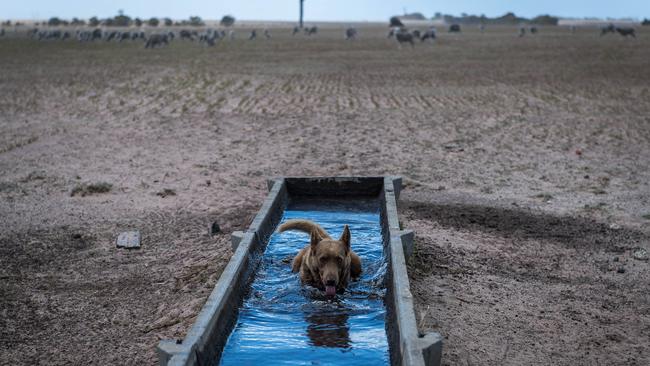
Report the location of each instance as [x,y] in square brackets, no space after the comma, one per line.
[179,341]
[640,254]
[453,147]
[578,152]
[215,228]
[76,236]
[615,226]
[586,176]
[615,259]
[166,192]
[129,240]
[621,269]
[208,182]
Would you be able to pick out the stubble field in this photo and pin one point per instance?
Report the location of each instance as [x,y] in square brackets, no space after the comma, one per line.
[526,163]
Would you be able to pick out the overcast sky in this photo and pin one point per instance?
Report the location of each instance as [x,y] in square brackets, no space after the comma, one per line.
[317,9]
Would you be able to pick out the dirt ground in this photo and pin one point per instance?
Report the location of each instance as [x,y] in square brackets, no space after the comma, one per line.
[526,163]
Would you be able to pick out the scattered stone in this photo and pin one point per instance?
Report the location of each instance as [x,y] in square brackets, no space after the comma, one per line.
[208,182]
[640,254]
[487,190]
[615,226]
[545,197]
[586,176]
[614,337]
[453,147]
[578,152]
[35,175]
[76,236]
[129,240]
[616,259]
[166,192]
[179,341]
[215,228]
[8,186]
[621,269]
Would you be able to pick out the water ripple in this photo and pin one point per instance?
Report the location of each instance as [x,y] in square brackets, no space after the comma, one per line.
[282,322]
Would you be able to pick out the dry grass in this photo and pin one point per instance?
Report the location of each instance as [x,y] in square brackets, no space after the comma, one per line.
[87,189]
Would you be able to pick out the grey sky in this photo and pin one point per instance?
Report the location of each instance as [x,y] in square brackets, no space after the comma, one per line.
[317,9]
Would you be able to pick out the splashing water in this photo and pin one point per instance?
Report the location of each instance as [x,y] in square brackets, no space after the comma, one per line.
[283,322]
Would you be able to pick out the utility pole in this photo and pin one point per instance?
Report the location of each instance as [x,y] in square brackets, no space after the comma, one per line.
[301,12]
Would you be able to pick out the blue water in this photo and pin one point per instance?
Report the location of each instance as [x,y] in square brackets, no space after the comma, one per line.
[282,322]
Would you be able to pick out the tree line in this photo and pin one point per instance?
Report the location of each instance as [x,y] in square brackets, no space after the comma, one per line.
[506,19]
[122,20]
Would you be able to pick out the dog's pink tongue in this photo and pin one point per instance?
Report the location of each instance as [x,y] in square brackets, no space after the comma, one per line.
[330,290]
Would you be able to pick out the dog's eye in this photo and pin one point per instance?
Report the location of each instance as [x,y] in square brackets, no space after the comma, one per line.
[323,259]
[339,260]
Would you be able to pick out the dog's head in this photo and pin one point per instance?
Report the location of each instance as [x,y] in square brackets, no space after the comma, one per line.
[332,258]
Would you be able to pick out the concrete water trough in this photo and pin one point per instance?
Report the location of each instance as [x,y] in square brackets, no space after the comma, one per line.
[219,334]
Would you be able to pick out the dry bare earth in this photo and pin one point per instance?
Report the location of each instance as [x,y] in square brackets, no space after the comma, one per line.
[519,152]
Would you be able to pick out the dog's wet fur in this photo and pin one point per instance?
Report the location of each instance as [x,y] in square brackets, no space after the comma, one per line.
[326,263]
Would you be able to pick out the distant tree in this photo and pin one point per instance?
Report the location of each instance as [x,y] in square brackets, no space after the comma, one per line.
[509,18]
[437,15]
[168,22]
[54,22]
[121,20]
[196,21]
[77,21]
[137,22]
[6,23]
[153,22]
[227,20]
[93,22]
[645,22]
[395,22]
[545,20]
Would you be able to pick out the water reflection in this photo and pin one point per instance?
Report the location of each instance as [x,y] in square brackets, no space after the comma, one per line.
[283,322]
[328,330]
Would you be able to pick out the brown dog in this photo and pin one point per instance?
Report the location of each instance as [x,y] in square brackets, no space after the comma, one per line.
[326,263]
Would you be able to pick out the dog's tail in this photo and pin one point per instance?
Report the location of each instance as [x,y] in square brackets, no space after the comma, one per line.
[304,226]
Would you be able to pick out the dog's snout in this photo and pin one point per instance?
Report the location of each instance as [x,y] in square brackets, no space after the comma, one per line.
[330,283]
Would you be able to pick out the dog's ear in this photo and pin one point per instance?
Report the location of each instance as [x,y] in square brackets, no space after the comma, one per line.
[315,238]
[345,238]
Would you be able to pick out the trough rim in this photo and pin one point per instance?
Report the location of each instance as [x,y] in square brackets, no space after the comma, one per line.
[412,347]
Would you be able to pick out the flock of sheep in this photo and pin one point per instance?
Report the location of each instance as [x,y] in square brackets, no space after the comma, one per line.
[623,31]
[210,37]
